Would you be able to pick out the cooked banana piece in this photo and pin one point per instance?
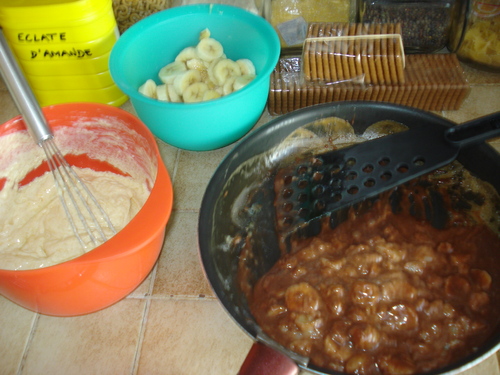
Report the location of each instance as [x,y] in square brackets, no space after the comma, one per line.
[185,79]
[195,92]
[148,89]
[211,94]
[186,54]
[224,69]
[168,73]
[242,81]
[162,93]
[204,34]
[246,66]
[172,94]
[209,49]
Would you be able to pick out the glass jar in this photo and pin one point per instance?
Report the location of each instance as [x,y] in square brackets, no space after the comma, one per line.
[291,17]
[475,36]
[249,5]
[425,24]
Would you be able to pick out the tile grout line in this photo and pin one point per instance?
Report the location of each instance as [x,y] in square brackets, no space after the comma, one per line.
[22,362]
[142,330]
[176,165]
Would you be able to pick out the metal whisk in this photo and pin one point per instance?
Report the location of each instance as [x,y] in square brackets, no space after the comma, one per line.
[78,202]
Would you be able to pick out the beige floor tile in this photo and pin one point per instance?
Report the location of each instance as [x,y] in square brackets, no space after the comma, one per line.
[16,323]
[193,174]
[9,109]
[475,76]
[144,289]
[488,366]
[179,271]
[170,156]
[191,337]
[101,343]
[482,100]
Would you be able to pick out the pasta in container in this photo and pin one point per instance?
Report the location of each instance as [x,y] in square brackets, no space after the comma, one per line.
[476,38]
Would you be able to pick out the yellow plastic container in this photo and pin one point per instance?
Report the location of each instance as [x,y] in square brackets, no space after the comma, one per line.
[68,32]
[63,47]
[66,67]
[109,95]
[66,51]
[71,82]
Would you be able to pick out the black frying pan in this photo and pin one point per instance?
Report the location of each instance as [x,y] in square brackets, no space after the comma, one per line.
[222,217]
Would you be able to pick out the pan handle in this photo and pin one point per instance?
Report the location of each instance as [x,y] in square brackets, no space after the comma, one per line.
[474,131]
[264,360]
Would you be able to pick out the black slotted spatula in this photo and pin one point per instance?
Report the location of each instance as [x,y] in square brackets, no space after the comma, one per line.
[340,178]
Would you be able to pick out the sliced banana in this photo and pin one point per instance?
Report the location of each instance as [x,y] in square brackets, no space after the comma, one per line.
[228,86]
[162,93]
[242,81]
[201,72]
[211,94]
[172,94]
[204,34]
[196,63]
[209,49]
[225,69]
[183,80]
[195,92]
[168,73]
[186,54]
[246,66]
[148,89]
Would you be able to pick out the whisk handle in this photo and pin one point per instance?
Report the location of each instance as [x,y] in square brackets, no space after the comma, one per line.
[22,94]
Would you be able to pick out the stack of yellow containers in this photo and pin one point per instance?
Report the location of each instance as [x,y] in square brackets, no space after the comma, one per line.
[63,47]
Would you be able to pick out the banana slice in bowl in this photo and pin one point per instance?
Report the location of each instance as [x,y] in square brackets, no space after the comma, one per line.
[199,73]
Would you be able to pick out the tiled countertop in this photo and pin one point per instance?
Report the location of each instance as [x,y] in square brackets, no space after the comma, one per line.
[172,323]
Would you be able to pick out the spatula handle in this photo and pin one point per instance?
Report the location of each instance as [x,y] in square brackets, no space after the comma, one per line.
[475,131]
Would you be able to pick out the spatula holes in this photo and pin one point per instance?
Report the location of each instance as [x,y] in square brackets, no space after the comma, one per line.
[287,180]
[320,205]
[335,170]
[287,207]
[370,182]
[287,221]
[403,168]
[317,176]
[301,170]
[351,176]
[419,161]
[337,197]
[335,183]
[287,193]
[368,168]
[384,162]
[351,162]
[302,198]
[386,176]
[353,190]
[318,190]
[303,184]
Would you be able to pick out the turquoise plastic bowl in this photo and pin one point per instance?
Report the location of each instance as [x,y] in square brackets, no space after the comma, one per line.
[153,42]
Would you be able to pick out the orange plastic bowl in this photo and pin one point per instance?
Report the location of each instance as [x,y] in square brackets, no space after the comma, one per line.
[111,271]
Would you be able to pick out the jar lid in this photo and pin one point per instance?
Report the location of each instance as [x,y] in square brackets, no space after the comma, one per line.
[43,13]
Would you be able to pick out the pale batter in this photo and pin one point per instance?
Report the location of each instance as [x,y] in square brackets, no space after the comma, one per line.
[34,230]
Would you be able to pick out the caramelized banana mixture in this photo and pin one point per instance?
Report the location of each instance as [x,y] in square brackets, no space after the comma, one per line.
[383,293]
